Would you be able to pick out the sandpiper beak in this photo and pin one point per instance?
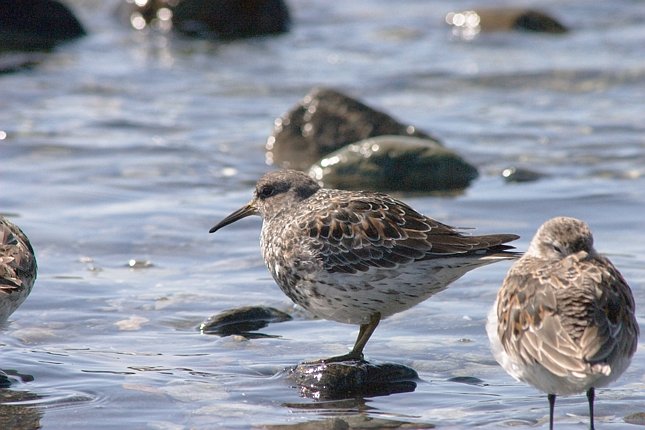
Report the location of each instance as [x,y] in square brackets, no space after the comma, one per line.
[242,212]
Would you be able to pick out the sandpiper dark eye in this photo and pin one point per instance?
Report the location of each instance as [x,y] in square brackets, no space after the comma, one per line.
[266,191]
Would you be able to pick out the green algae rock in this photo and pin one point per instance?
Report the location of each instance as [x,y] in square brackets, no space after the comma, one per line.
[394,163]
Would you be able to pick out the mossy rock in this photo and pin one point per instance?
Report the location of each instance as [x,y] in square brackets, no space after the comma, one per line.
[394,163]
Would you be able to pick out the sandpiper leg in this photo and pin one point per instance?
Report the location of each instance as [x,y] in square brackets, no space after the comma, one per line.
[591,395]
[551,398]
[364,333]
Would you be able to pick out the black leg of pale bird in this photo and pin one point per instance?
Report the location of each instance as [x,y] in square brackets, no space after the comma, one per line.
[591,395]
[551,398]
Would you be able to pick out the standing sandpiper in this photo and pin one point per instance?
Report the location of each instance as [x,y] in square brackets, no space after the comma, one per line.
[358,257]
[17,268]
[564,318]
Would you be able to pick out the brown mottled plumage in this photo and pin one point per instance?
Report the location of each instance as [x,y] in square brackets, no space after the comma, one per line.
[17,268]
[357,257]
[564,318]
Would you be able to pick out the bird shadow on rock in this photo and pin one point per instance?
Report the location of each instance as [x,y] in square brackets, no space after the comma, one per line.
[351,379]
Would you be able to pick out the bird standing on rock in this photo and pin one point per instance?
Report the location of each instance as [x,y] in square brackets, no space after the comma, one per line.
[357,257]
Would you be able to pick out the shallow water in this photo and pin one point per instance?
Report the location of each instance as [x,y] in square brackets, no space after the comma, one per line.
[130,146]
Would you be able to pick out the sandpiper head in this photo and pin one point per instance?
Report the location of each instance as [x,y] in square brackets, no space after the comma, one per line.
[274,192]
[560,237]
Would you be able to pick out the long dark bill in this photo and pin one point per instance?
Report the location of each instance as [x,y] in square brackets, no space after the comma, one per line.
[242,212]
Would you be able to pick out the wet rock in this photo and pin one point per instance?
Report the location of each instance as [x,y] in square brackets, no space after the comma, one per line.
[468,380]
[5,382]
[36,25]
[243,321]
[9,375]
[324,121]
[221,19]
[134,263]
[19,410]
[348,422]
[394,163]
[637,419]
[519,174]
[504,19]
[346,379]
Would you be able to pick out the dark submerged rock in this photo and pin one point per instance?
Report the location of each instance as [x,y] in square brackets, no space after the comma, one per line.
[326,120]
[221,19]
[505,19]
[468,380]
[10,375]
[519,174]
[5,382]
[535,20]
[394,163]
[36,25]
[243,321]
[347,379]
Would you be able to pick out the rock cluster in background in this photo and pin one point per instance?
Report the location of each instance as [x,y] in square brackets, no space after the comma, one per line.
[344,143]
[470,22]
[30,27]
[35,25]
[326,120]
[221,19]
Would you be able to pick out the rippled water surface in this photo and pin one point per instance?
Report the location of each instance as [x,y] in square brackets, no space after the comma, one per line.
[130,146]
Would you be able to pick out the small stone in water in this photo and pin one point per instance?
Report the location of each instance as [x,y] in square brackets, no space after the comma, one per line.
[638,418]
[518,174]
[131,324]
[241,321]
[470,380]
[139,264]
